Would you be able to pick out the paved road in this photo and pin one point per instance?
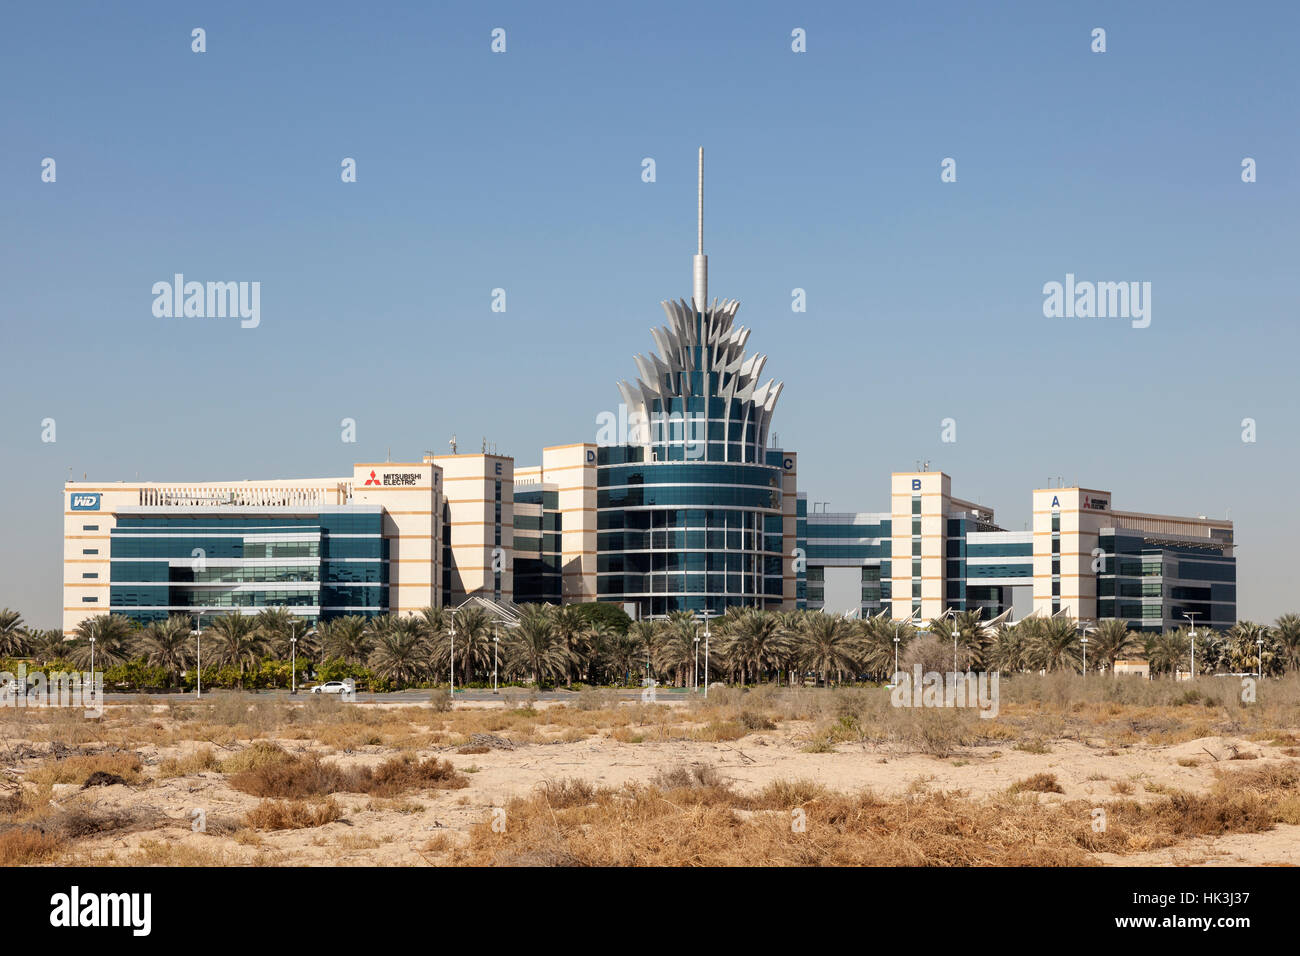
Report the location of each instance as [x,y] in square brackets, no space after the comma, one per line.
[403,696]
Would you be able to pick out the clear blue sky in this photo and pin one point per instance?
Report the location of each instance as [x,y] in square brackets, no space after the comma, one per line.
[523,171]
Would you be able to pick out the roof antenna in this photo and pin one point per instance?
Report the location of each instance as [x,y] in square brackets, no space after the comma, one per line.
[452,443]
[701,260]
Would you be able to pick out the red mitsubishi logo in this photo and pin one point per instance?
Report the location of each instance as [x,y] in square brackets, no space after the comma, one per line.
[372,480]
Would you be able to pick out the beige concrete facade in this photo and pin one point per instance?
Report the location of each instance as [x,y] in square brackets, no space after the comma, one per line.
[917,543]
[571,469]
[90,511]
[479,524]
[1068,523]
[919,534]
[789,529]
[411,495]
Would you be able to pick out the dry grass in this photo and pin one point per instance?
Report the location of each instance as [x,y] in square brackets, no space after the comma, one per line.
[79,769]
[690,817]
[292,814]
[297,777]
[23,846]
[199,761]
[1038,783]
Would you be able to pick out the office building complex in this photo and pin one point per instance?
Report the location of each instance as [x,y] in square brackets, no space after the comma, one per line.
[681,503]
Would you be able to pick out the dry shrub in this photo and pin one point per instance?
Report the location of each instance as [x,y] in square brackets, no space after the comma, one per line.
[694,777]
[406,773]
[292,777]
[1266,779]
[472,749]
[292,814]
[79,769]
[437,844]
[260,753]
[299,777]
[719,730]
[689,817]
[753,720]
[571,792]
[1038,783]
[593,698]
[22,846]
[652,827]
[787,794]
[190,764]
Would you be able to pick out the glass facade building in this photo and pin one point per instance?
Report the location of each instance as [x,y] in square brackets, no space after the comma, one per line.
[1152,582]
[689,513]
[538,524]
[322,565]
[858,541]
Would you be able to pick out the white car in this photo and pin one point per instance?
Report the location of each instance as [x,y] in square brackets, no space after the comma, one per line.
[331,687]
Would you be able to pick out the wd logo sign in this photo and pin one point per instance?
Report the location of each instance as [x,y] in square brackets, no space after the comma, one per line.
[85,502]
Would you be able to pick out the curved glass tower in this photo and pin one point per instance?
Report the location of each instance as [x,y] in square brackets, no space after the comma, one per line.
[689,512]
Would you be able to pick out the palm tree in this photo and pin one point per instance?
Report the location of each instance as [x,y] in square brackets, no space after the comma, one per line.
[1056,644]
[1009,648]
[1167,650]
[647,635]
[828,645]
[435,620]
[13,635]
[535,647]
[401,652]
[789,629]
[1286,631]
[345,638]
[756,641]
[46,646]
[972,635]
[569,625]
[876,643]
[625,653]
[237,641]
[1112,640]
[595,645]
[473,643]
[112,634]
[1243,648]
[166,644]
[677,649]
[275,625]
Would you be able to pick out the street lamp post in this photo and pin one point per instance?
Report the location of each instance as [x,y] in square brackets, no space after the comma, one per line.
[706,656]
[451,685]
[956,633]
[1191,616]
[896,640]
[92,660]
[198,657]
[293,657]
[1084,641]
[1259,641]
[496,639]
[696,675]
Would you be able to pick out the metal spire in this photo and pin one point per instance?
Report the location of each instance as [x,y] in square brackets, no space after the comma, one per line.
[701,260]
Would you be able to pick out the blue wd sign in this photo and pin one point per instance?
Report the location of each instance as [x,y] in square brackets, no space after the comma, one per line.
[85,502]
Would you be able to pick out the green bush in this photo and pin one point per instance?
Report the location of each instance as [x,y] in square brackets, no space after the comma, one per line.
[136,675]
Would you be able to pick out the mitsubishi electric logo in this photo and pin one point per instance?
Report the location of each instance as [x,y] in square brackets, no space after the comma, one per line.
[394,479]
